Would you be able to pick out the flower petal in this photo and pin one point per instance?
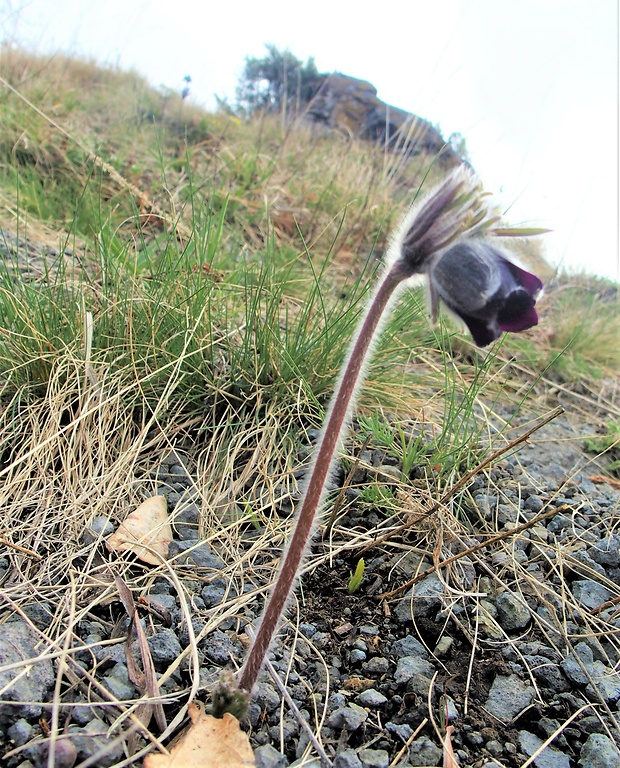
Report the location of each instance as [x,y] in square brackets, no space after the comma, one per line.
[485,289]
[482,332]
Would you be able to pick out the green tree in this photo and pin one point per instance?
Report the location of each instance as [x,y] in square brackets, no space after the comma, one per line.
[279,80]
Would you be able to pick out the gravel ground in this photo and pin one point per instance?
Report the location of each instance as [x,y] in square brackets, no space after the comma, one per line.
[514,643]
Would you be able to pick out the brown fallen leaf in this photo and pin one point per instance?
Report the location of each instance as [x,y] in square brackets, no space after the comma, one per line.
[209,742]
[604,479]
[149,525]
[358,684]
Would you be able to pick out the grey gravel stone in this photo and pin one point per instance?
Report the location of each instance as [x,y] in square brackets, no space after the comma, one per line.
[402,730]
[427,597]
[374,758]
[511,613]
[508,696]
[350,717]
[347,759]
[408,646]
[40,614]
[599,751]
[98,527]
[371,698]
[422,751]
[378,665]
[266,696]
[413,667]
[494,747]
[213,593]
[356,656]
[571,667]
[20,732]
[201,556]
[550,757]
[607,551]
[218,647]
[92,739]
[534,504]
[590,593]
[547,673]
[17,643]
[117,682]
[165,647]
[267,756]
[606,682]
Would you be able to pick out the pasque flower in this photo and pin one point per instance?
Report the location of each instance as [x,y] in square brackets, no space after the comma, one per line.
[438,240]
[486,290]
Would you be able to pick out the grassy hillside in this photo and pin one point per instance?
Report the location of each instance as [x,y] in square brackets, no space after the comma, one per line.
[178,281]
[204,265]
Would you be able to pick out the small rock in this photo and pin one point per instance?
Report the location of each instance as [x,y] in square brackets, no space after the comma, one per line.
[97,528]
[20,732]
[590,593]
[606,683]
[534,504]
[548,758]
[374,758]
[402,730]
[371,698]
[118,683]
[607,551]
[40,614]
[347,759]
[508,696]
[571,667]
[189,553]
[165,647]
[213,593]
[17,643]
[444,645]
[422,751]
[494,747]
[410,667]
[93,739]
[547,673]
[266,696]
[350,717]
[378,665]
[307,630]
[218,647]
[267,756]
[408,646]
[427,596]
[511,613]
[599,751]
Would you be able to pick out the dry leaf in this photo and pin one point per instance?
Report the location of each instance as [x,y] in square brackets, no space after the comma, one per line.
[147,525]
[449,760]
[604,479]
[209,742]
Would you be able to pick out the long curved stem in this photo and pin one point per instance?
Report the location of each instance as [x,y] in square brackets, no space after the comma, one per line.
[315,490]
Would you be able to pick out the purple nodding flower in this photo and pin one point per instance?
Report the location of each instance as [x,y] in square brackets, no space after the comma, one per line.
[488,292]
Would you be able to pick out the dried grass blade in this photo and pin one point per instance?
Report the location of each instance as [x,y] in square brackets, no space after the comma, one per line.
[146,680]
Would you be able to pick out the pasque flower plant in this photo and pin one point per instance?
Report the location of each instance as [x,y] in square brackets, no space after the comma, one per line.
[441,242]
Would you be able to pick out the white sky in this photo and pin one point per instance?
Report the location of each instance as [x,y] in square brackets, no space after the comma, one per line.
[531,84]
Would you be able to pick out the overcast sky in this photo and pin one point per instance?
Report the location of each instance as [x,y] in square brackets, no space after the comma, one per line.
[531,84]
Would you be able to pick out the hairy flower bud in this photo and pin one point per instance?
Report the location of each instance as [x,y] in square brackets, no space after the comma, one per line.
[455,209]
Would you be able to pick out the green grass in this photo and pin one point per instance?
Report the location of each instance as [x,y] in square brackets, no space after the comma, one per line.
[222,266]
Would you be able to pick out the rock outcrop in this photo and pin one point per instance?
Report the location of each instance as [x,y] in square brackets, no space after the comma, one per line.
[344,102]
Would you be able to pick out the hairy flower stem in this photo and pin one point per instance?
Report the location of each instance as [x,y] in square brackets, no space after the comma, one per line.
[315,490]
